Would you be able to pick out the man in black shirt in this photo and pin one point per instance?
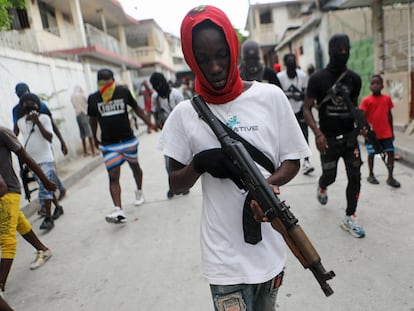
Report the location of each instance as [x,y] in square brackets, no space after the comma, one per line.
[109,107]
[336,136]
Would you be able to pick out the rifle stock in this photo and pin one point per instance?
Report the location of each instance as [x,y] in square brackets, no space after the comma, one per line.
[279,214]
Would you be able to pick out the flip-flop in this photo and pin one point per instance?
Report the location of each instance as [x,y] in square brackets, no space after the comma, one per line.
[373,180]
[394,183]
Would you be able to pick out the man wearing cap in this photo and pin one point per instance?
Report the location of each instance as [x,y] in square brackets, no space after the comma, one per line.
[108,108]
[18,112]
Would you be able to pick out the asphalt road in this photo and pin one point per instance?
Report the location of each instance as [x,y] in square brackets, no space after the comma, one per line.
[153,262]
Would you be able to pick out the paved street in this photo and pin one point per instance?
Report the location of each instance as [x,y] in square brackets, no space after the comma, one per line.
[153,262]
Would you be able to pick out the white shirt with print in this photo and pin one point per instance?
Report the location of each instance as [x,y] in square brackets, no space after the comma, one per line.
[263,116]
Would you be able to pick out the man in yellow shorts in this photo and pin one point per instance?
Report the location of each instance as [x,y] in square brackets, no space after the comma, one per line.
[11,217]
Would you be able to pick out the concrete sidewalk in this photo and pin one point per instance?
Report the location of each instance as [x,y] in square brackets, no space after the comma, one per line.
[70,171]
[404,147]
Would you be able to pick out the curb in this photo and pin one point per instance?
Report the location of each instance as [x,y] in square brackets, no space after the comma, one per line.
[30,208]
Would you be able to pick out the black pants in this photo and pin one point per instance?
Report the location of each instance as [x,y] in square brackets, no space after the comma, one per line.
[302,123]
[348,150]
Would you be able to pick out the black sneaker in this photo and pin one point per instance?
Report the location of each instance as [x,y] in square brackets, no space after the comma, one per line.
[42,211]
[47,224]
[170,194]
[57,212]
[62,194]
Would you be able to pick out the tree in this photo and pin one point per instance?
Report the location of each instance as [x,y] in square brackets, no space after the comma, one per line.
[5,17]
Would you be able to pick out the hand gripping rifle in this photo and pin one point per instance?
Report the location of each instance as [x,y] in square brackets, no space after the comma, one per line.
[359,118]
[278,213]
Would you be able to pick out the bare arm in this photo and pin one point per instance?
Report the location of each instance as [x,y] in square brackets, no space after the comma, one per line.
[181,177]
[93,121]
[285,172]
[3,186]
[56,130]
[141,114]
[16,130]
[320,139]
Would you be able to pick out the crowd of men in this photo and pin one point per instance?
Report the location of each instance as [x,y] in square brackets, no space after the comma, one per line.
[279,104]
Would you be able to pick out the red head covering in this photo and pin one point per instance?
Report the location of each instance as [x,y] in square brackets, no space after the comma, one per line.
[234,84]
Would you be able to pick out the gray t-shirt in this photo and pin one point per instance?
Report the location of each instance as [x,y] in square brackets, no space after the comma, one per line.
[9,143]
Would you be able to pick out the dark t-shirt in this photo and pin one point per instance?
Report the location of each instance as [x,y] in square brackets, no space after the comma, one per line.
[335,117]
[270,76]
[265,74]
[8,144]
[113,116]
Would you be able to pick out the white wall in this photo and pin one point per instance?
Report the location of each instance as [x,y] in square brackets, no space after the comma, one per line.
[44,75]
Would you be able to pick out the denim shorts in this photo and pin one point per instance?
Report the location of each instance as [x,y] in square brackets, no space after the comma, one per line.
[387,145]
[246,297]
[48,169]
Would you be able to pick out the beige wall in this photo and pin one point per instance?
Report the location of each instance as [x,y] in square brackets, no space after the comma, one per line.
[397,86]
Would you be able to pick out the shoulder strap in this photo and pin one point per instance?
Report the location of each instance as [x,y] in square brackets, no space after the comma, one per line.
[256,154]
[28,137]
[328,96]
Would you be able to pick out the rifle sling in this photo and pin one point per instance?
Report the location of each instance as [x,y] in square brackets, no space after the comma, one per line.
[258,156]
[255,153]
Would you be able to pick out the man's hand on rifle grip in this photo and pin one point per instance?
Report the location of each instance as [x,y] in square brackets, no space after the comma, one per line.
[257,210]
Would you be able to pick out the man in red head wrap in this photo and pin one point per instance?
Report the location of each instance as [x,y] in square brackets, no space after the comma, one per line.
[260,113]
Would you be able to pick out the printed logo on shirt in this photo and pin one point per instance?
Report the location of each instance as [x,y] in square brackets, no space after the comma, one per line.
[113,107]
[234,124]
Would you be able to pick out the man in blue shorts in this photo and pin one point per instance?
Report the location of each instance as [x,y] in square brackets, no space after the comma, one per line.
[109,107]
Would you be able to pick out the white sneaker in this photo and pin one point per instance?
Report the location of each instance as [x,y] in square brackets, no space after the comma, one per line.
[41,258]
[350,224]
[139,197]
[116,217]
[307,167]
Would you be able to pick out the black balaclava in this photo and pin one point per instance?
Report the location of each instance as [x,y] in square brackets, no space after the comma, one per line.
[290,63]
[160,84]
[338,60]
[251,68]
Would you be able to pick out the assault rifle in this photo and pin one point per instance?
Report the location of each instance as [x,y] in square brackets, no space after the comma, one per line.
[27,177]
[361,122]
[278,213]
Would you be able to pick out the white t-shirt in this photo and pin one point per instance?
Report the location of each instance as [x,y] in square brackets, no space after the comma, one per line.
[298,83]
[167,105]
[263,116]
[37,146]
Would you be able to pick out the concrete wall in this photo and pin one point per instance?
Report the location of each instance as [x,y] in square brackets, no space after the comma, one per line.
[45,76]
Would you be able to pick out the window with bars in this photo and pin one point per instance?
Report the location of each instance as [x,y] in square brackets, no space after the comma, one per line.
[48,17]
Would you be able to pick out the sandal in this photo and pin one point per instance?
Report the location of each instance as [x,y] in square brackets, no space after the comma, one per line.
[393,183]
[373,180]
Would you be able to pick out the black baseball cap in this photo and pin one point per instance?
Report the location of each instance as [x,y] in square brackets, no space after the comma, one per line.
[105,74]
